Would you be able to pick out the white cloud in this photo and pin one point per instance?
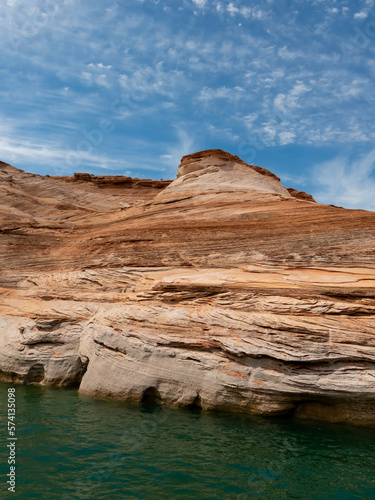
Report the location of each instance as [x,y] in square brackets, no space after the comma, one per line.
[286,103]
[288,54]
[86,77]
[209,94]
[286,138]
[218,133]
[250,118]
[200,3]
[279,103]
[232,9]
[243,11]
[345,182]
[99,65]
[102,81]
[290,84]
[185,145]
[98,79]
[360,15]
[59,160]
[363,14]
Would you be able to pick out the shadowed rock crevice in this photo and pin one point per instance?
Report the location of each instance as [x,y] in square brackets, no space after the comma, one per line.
[196,404]
[35,374]
[84,363]
[151,396]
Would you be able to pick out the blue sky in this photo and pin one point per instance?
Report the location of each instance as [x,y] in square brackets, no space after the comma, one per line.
[129,87]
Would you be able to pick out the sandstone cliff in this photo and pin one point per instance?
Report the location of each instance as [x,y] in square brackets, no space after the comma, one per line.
[222,290]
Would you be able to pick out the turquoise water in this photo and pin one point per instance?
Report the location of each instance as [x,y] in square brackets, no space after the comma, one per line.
[73,448]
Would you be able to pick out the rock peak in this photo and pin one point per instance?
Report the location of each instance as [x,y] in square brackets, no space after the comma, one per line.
[217,171]
[220,154]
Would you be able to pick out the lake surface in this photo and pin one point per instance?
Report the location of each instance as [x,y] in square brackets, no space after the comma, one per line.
[72,448]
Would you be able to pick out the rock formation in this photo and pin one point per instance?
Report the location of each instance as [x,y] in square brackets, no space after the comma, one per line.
[222,290]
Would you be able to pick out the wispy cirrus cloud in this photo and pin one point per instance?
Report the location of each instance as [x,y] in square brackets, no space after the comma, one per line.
[271,74]
[345,181]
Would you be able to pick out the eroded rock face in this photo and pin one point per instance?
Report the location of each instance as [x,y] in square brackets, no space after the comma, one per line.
[301,195]
[215,171]
[200,294]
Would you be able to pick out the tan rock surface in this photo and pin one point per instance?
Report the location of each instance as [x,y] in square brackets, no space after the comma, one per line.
[220,289]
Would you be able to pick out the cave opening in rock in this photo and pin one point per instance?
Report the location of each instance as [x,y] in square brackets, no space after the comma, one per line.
[151,396]
[196,404]
[36,374]
[84,365]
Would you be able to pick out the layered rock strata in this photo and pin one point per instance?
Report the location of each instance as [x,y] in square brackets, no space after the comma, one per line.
[222,290]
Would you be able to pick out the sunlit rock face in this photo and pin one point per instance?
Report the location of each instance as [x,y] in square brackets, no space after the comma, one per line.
[220,290]
[215,171]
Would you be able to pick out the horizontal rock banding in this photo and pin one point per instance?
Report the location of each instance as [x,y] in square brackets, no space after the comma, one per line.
[190,292]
